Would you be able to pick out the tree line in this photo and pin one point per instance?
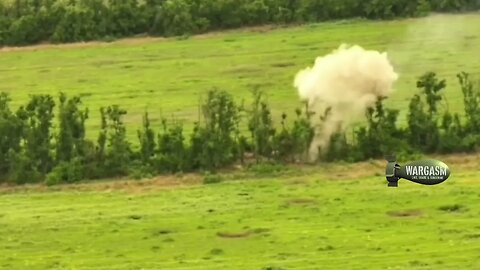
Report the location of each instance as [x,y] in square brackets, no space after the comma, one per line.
[44,139]
[24,22]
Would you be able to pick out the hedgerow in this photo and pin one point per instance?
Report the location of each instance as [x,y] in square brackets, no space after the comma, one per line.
[25,22]
[32,150]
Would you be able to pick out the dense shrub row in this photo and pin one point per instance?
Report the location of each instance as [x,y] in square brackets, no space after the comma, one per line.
[32,150]
[31,21]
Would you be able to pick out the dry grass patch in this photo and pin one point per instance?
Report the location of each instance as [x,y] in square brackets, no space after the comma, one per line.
[405,213]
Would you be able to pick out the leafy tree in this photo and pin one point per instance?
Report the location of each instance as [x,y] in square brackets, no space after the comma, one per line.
[380,136]
[172,153]
[261,127]
[175,18]
[302,134]
[118,149]
[10,135]
[423,122]
[125,18]
[471,99]
[34,159]
[147,140]
[38,115]
[71,136]
[451,139]
[283,143]
[213,142]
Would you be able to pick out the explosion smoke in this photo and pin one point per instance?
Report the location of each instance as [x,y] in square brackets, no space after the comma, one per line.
[341,86]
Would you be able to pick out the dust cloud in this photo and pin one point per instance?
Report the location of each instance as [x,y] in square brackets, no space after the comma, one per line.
[340,87]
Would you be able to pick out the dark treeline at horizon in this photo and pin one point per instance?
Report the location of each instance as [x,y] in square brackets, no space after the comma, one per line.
[24,22]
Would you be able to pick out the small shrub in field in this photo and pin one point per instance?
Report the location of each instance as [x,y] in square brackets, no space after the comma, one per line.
[23,169]
[261,127]
[146,136]
[138,170]
[451,137]
[380,136]
[453,208]
[66,172]
[217,251]
[408,155]
[302,134]
[53,179]
[108,39]
[273,268]
[212,179]
[338,148]
[172,154]
[267,168]
[118,148]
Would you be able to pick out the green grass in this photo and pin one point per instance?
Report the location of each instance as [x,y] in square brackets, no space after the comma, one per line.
[300,221]
[169,76]
[296,220]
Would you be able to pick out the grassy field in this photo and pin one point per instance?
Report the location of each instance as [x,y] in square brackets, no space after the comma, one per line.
[169,76]
[337,216]
[333,217]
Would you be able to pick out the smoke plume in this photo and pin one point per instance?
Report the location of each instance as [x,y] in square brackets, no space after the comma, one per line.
[340,87]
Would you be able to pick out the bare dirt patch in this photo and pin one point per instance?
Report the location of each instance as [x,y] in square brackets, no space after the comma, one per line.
[461,161]
[251,29]
[348,171]
[405,213]
[298,182]
[283,64]
[46,45]
[243,234]
[302,201]
[123,185]
[453,208]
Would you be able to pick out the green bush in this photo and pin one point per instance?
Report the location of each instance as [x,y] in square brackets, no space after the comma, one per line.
[267,168]
[172,154]
[23,169]
[11,133]
[146,137]
[471,100]
[70,140]
[176,18]
[25,30]
[139,170]
[212,179]
[118,152]
[214,143]
[423,113]
[66,172]
[302,134]
[261,127]
[380,131]
[37,117]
